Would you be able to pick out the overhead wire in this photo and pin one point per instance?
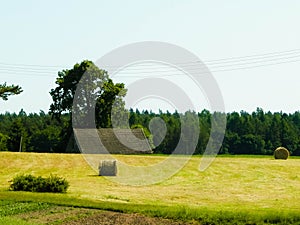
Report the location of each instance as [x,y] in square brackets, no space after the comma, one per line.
[30,65]
[136,70]
[230,59]
[264,55]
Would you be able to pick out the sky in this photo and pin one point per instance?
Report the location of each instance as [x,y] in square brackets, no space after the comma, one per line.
[40,38]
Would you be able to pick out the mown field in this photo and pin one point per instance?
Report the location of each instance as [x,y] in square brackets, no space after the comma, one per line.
[233,190]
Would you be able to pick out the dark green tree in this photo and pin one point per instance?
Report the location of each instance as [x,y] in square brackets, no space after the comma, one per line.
[17,136]
[96,86]
[3,142]
[87,95]
[251,144]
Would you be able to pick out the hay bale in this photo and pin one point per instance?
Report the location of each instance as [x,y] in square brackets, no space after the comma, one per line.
[281,153]
[108,168]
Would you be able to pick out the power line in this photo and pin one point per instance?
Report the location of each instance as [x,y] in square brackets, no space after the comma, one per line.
[28,68]
[272,54]
[233,59]
[208,62]
[22,71]
[25,74]
[215,69]
[212,71]
[30,65]
[256,66]
[228,64]
[257,61]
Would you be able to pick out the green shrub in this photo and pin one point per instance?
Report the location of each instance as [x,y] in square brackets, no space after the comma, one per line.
[31,183]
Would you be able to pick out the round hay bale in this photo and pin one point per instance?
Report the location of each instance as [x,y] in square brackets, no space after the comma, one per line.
[108,168]
[281,153]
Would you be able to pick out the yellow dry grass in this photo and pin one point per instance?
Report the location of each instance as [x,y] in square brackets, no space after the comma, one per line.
[229,183]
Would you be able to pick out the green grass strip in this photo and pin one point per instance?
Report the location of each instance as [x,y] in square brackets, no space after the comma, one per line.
[14,221]
[177,212]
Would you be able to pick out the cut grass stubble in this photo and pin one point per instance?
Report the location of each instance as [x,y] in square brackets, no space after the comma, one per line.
[232,188]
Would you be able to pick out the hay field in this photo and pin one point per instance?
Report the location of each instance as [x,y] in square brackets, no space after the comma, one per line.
[238,184]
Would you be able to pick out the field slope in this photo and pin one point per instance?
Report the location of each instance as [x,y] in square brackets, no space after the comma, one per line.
[257,189]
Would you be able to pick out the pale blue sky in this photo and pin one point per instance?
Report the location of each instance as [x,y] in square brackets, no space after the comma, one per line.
[61,33]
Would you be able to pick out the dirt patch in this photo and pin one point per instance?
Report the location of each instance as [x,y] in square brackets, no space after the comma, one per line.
[115,218]
[56,215]
[81,216]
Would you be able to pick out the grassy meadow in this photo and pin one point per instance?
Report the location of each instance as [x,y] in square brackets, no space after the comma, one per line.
[253,189]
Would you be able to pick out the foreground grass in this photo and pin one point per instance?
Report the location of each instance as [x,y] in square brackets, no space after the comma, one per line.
[13,221]
[233,190]
[10,208]
[202,215]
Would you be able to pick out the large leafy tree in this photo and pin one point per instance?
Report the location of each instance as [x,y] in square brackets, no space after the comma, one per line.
[7,90]
[94,87]
[87,95]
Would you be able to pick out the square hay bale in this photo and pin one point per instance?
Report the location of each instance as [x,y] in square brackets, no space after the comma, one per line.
[108,168]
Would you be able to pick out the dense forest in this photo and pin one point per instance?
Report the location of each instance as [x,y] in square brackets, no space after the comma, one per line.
[86,96]
[256,133]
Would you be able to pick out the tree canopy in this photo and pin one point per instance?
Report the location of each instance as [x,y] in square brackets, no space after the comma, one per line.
[7,90]
[94,86]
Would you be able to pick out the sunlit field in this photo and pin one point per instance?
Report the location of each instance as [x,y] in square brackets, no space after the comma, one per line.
[252,186]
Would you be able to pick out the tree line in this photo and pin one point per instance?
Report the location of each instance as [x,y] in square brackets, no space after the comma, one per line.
[85,97]
[258,132]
